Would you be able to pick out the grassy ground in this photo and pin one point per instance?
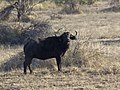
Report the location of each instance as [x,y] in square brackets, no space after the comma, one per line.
[92,62]
[72,79]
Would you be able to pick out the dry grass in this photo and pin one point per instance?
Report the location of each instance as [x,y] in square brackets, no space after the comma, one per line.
[44,5]
[92,62]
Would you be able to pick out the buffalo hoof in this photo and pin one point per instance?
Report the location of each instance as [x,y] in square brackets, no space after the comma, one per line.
[31,72]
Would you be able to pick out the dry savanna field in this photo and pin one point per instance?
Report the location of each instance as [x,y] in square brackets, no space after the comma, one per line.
[91,63]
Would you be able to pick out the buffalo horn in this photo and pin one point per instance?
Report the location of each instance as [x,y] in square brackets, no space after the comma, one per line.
[76,33]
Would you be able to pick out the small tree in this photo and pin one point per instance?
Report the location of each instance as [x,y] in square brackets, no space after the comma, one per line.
[25,7]
[22,7]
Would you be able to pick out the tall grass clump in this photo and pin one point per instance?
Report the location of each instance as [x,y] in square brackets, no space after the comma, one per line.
[94,57]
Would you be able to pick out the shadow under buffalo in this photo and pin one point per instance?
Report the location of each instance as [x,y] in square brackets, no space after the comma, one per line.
[16,63]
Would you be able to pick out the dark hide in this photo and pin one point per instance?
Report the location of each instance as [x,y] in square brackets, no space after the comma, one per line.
[51,47]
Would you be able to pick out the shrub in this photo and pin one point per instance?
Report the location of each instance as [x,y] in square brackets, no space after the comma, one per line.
[7,34]
[39,29]
[87,1]
[70,7]
[13,36]
[59,2]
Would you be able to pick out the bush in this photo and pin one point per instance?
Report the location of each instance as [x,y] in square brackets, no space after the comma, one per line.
[7,34]
[88,2]
[70,7]
[15,36]
[59,2]
[38,29]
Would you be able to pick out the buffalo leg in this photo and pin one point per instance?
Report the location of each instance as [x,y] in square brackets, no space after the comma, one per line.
[58,60]
[27,63]
[25,67]
[30,69]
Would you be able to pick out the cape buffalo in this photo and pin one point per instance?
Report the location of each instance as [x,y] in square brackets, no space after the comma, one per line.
[51,47]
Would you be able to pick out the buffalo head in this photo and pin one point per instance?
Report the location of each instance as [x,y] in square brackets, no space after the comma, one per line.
[66,37]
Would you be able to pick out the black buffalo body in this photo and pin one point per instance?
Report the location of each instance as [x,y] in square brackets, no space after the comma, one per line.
[51,47]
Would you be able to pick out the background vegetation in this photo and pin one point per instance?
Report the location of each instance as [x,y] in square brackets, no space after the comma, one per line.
[93,60]
[79,1]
